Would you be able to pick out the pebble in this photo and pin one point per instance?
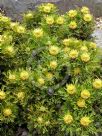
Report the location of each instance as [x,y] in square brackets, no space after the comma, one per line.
[50,91]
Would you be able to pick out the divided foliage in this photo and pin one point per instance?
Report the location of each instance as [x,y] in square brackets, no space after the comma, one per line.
[50,74]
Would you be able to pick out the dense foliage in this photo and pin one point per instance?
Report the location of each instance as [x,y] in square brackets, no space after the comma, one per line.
[51,74]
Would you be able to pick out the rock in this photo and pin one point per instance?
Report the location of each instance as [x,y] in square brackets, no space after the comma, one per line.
[14,8]
[98,36]
[50,91]
[24,133]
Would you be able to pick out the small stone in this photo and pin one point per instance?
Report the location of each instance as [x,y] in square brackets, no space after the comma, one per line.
[50,91]
[24,133]
[33,53]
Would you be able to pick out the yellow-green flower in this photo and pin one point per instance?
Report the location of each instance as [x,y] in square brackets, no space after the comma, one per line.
[68,119]
[93,45]
[9,50]
[49,75]
[47,123]
[7,112]
[40,120]
[85,10]
[6,38]
[71,89]
[29,15]
[87,17]
[97,84]
[85,121]
[12,77]
[67,42]
[73,54]
[73,25]
[20,95]
[85,57]
[77,71]
[51,5]
[38,33]
[72,13]
[24,75]
[41,81]
[2,95]
[60,20]
[84,48]
[14,25]
[85,94]
[5,19]
[81,103]
[54,50]
[53,64]
[50,20]
[47,9]
[20,29]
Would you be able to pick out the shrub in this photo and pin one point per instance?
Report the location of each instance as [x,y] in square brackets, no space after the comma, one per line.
[49,78]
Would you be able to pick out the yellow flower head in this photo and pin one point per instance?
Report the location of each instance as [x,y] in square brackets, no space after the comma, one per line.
[87,17]
[85,10]
[41,81]
[50,5]
[20,95]
[20,29]
[68,119]
[47,123]
[85,121]
[42,108]
[84,48]
[72,13]
[38,33]
[71,89]
[49,75]
[11,77]
[73,54]
[6,38]
[60,20]
[81,103]
[9,50]
[40,120]
[93,45]
[97,84]
[77,71]
[47,9]
[50,20]
[2,95]
[67,42]
[14,25]
[5,19]
[29,15]
[54,50]
[73,25]
[7,112]
[85,57]
[85,94]
[24,75]
[53,64]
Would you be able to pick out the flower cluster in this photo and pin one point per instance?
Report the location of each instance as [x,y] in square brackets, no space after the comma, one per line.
[48,69]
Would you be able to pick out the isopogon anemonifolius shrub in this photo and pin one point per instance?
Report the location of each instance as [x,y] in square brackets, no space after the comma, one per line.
[51,77]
